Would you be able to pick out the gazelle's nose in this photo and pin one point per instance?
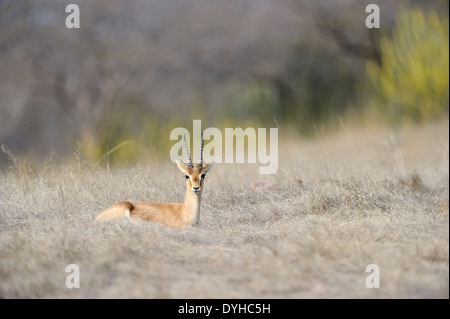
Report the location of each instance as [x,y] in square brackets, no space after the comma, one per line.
[196,188]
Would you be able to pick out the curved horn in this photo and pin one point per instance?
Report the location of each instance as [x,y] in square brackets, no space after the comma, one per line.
[186,150]
[200,162]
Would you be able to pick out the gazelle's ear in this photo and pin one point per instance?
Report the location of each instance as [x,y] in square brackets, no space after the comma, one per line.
[182,167]
[207,167]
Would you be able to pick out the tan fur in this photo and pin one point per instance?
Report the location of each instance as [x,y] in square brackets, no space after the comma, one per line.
[169,214]
[114,211]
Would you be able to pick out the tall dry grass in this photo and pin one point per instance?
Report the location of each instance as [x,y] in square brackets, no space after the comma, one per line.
[336,204]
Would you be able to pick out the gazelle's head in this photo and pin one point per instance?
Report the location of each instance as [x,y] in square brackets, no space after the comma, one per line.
[194,173]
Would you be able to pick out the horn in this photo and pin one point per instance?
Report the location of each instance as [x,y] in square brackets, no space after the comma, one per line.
[186,150]
[200,162]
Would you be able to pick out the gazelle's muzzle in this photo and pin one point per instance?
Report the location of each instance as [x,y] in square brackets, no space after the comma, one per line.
[196,189]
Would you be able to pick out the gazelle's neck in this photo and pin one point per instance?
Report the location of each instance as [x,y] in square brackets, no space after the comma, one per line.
[191,207]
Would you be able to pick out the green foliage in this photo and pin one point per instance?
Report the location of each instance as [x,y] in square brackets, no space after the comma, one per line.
[315,86]
[300,98]
[138,135]
[413,80]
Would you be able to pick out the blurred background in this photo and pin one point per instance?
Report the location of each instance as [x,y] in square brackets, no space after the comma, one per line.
[136,69]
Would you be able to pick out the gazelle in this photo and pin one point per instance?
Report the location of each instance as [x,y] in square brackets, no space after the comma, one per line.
[170,214]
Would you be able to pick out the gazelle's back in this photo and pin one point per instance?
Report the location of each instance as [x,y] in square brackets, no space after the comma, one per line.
[164,213]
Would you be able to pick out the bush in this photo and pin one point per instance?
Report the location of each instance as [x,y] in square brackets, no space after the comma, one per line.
[412,82]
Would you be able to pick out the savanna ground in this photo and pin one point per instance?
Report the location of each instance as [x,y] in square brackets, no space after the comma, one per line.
[338,203]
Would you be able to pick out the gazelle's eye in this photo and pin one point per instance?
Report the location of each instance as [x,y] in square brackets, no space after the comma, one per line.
[187,177]
[203,176]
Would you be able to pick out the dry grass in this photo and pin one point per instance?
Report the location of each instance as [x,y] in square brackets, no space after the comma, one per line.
[336,205]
